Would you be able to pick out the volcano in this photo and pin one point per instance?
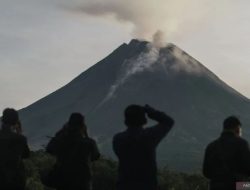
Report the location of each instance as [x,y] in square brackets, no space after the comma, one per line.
[166,78]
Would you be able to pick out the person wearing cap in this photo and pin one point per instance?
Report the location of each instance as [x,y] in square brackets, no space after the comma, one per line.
[13,149]
[74,151]
[136,147]
[227,159]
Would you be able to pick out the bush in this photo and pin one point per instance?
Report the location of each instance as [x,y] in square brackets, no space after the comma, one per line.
[105,174]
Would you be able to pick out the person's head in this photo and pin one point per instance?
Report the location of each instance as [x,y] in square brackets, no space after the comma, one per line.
[76,124]
[10,117]
[232,124]
[135,116]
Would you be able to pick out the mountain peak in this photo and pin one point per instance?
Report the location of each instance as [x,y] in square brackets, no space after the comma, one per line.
[136,42]
[149,53]
[173,60]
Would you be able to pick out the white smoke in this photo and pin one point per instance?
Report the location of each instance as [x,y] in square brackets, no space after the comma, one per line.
[173,17]
[159,39]
[185,63]
[134,66]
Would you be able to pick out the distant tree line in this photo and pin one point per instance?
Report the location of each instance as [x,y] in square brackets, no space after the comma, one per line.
[105,172]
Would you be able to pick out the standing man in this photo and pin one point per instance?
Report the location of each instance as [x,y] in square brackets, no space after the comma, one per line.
[75,151]
[13,149]
[227,159]
[136,148]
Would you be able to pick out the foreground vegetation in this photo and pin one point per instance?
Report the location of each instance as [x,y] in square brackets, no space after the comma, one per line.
[105,172]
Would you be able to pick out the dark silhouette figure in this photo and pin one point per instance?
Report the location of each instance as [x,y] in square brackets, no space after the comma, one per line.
[227,159]
[136,148]
[13,148]
[74,151]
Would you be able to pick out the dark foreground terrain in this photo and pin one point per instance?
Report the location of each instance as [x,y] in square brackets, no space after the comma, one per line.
[104,172]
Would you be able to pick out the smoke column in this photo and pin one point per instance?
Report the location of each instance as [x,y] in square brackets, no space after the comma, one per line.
[172,17]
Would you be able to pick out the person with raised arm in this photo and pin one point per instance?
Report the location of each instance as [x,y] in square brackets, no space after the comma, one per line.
[136,147]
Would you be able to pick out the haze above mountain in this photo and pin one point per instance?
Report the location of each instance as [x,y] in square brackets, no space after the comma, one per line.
[140,73]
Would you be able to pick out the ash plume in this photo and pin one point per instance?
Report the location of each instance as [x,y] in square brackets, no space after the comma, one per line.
[172,17]
[159,39]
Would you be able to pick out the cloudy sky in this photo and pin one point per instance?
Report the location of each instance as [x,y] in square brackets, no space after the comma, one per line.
[46,43]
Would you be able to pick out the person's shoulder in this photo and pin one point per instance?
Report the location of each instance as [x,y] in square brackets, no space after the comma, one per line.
[241,141]
[88,140]
[149,128]
[19,137]
[212,144]
[119,135]
[154,129]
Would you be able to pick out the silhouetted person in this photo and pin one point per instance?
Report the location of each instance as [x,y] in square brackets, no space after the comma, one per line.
[13,148]
[227,159]
[136,148]
[74,151]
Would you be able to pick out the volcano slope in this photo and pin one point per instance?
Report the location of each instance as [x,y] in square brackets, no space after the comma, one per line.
[140,73]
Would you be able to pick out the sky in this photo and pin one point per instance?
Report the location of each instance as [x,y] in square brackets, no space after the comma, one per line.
[44,44]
